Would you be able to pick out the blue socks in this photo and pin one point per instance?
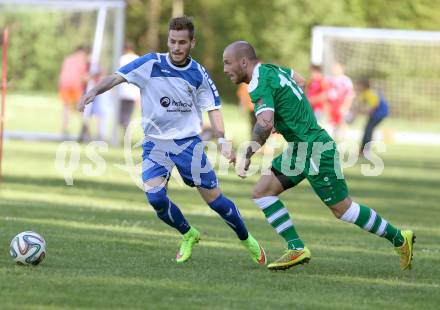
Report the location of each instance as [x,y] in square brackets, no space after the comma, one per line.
[167,211]
[229,212]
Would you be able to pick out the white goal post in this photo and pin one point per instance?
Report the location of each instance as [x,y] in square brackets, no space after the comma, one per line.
[107,17]
[403,64]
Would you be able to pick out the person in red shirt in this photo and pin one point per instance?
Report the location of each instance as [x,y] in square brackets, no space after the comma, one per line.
[316,91]
[72,82]
[340,97]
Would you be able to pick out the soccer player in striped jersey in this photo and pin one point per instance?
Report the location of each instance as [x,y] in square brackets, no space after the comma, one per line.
[175,90]
[312,154]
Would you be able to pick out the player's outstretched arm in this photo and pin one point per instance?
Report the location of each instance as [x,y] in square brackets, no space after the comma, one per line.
[217,124]
[104,85]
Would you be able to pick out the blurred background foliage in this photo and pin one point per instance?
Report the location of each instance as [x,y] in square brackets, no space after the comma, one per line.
[279,29]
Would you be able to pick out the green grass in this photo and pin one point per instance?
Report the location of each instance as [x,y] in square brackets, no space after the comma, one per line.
[107,249]
[36,112]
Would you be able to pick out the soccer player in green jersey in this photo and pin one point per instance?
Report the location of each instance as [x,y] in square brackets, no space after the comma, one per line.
[281,104]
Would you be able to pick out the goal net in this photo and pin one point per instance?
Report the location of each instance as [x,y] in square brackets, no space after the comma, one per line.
[403,65]
[41,34]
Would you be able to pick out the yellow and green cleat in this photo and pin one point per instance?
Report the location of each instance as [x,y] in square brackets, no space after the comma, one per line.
[255,249]
[189,239]
[406,250]
[291,258]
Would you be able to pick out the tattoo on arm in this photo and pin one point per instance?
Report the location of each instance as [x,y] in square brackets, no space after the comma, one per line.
[262,131]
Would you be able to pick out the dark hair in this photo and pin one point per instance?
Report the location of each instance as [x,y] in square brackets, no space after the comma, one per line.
[182,23]
[83,48]
[316,68]
[129,46]
[364,82]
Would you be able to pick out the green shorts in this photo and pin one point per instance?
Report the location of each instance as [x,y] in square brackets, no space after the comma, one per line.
[318,162]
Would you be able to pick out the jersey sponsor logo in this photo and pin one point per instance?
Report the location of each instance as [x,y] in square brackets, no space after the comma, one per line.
[181,104]
[165,102]
[175,105]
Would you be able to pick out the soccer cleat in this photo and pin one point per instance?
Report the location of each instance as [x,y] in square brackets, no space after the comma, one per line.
[255,249]
[406,250]
[291,258]
[188,240]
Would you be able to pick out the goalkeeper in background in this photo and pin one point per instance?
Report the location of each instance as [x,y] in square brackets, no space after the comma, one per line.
[373,104]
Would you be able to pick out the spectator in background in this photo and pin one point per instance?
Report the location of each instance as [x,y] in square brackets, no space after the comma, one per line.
[128,93]
[98,109]
[72,82]
[373,104]
[316,91]
[340,97]
[246,104]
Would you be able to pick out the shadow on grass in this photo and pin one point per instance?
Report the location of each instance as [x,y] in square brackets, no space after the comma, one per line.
[103,189]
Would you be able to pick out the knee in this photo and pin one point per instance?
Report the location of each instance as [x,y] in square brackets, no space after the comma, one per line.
[259,192]
[267,186]
[340,208]
[210,195]
[256,194]
[158,200]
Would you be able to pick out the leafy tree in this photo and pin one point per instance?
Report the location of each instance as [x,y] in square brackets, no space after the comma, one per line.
[280,30]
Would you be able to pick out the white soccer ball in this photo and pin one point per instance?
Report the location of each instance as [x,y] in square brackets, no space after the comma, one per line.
[28,248]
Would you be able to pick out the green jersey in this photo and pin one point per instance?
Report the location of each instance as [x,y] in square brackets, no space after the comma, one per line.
[273,88]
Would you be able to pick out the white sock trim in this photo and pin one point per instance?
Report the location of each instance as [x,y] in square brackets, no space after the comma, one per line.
[277,215]
[352,213]
[265,202]
[381,230]
[284,226]
[371,220]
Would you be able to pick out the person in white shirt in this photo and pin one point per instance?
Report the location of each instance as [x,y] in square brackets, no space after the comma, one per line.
[128,93]
[175,90]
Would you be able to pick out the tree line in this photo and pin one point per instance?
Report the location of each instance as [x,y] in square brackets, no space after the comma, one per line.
[279,29]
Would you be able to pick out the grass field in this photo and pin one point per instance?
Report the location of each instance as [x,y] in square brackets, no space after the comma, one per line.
[107,249]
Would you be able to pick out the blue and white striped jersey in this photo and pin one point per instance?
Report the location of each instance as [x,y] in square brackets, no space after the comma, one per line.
[173,98]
